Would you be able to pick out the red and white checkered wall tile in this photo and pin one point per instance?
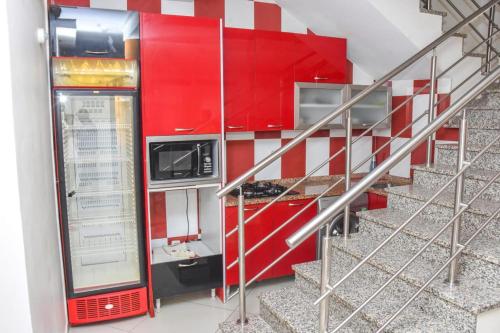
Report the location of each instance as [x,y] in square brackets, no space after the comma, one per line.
[264,15]
[246,149]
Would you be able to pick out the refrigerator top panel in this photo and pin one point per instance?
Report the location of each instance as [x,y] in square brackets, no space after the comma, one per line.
[90,32]
[97,149]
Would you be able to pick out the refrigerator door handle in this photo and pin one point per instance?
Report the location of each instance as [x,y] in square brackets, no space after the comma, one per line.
[71,194]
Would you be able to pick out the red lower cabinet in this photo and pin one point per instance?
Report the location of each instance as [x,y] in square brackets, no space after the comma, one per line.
[259,228]
[376,201]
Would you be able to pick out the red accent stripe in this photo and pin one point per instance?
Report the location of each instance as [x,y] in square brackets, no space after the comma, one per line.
[78,3]
[402,117]
[267,16]
[321,134]
[377,142]
[293,163]
[240,157]
[158,213]
[349,73]
[337,165]
[209,8]
[151,6]
[268,135]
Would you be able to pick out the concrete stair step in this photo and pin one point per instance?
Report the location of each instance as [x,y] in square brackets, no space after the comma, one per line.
[475,274]
[482,137]
[490,160]
[410,198]
[438,175]
[427,313]
[483,247]
[290,310]
[488,99]
[481,119]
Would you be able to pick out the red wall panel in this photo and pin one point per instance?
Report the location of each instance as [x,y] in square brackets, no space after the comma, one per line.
[158,215]
[402,117]
[293,163]
[151,6]
[377,143]
[240,157]
[267,16]
[78,3]
[337,165]
[209,8]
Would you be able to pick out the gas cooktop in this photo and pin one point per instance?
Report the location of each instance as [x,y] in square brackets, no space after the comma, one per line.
[261,190]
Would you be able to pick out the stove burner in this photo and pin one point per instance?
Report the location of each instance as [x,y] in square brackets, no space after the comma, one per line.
[261,190]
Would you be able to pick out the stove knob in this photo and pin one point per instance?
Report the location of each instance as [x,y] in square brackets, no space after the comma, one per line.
[208,159]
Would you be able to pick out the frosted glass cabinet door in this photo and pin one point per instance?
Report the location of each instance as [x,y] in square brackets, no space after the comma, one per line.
[97,138]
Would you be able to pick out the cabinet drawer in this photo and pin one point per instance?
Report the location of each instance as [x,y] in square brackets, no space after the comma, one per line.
[178,277]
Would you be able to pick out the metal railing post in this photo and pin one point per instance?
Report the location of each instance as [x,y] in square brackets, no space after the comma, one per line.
[241,257]
[432,101]
[348,168]
[490,42]
[459,192]
[428,4]
[324,306]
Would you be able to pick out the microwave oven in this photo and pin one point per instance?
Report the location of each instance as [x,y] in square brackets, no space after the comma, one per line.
[183,160]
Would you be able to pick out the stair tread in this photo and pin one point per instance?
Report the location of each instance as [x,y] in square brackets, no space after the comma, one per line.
[479,118]
[255,325]
[477,275]
[483,247]
[474,148]
[450,170]
[479,206]
[295,310]
[427,313]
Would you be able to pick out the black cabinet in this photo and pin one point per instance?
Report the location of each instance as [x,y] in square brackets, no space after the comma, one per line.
[178,277]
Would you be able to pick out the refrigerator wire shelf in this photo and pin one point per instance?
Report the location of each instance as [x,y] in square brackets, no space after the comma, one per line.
[91,176]
[101,205]
[97,143]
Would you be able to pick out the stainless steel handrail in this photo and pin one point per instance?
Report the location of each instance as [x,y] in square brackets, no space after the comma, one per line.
[318,221]
[366,131]
[429,242]
[346,106]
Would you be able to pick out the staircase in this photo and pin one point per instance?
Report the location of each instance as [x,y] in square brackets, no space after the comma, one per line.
[402,286]
[439,308]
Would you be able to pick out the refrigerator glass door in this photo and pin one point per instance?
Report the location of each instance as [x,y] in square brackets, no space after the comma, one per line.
[97,136]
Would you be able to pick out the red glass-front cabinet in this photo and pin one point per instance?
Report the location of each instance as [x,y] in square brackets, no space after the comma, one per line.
[181,75]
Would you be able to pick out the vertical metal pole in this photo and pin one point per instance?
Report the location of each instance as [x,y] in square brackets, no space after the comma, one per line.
[348,167]
[490,42]
[429,4]
[432,100]
[324,305]
[459,192]
[241,257]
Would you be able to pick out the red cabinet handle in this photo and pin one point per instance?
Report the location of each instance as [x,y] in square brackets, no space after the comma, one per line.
[249,209]
[317,78]
[274,126]
[291,204]
[184,129]
[234,127]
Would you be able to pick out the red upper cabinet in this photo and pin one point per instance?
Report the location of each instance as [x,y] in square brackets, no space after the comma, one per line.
[260,68]
[180,75]
[275,58]
[321,59]
[239,79]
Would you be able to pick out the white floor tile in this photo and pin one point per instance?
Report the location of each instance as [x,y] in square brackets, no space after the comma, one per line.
[128,324]
[204,298]
[96,328]
[177,315]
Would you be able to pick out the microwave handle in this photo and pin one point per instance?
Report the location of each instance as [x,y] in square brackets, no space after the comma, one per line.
[198,151]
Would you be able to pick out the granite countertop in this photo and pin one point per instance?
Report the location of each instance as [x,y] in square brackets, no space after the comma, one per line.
[314,186]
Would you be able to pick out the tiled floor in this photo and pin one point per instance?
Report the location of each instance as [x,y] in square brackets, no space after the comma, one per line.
[190,313]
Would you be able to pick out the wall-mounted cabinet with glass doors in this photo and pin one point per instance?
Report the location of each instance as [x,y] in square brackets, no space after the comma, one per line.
[314,101]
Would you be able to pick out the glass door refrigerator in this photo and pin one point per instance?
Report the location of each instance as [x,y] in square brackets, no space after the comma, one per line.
[100,202]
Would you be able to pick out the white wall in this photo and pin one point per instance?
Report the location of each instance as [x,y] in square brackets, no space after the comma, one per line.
[31,261]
